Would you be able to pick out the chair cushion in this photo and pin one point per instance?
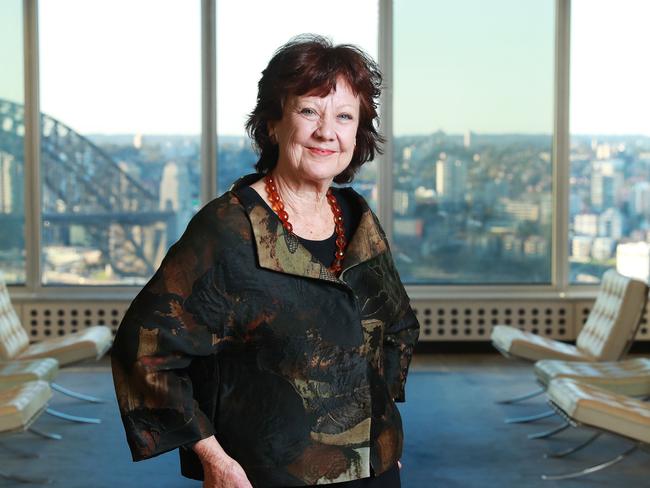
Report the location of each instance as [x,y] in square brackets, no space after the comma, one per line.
[13,338]
[89,343]
[614,318]
[628,377]
[16,372]
[532,347]
[599,408]
[20,405]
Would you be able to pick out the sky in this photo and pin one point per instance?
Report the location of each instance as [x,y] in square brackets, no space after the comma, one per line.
[134,66]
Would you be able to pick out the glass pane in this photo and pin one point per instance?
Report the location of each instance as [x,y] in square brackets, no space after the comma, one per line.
[12,133]
[610,139]
[120,96]
[242,54]
[473,122]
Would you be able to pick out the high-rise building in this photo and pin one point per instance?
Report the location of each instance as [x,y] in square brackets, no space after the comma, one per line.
[606,183]
[581,248]
[6,183]
[175,195]
[611,223]
[640,201]
[401,200]
[451,177]
[467,139]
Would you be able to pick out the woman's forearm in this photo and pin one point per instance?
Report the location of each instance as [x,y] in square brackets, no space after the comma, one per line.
[210,452]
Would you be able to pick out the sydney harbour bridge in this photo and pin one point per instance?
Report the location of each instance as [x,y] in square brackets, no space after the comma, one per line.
[85,188]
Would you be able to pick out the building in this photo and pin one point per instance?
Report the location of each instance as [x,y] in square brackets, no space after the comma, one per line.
[451,178]
[606,183]
[633,260]
[175,195]
[581,248]
[586,224]
[640,199]
[603,248]
[11,182]
[611,223]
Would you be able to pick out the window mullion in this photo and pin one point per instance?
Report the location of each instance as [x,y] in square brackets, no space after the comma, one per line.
[561,170]
[32,148]
[209,101]
[385,166]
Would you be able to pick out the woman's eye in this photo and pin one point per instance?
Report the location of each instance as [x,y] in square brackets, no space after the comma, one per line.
[308,111]
[346,116]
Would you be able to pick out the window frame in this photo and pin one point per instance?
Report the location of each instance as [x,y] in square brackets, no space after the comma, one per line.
[558,288]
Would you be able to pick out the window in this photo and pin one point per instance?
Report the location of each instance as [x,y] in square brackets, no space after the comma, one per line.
[242,54]
[610,139]
[12,134]
[472,126]
[471,137]
[121,115]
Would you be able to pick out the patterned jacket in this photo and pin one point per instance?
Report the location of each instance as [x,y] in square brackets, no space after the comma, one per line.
[241,333]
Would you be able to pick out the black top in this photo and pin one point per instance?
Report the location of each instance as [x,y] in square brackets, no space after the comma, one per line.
[322,250]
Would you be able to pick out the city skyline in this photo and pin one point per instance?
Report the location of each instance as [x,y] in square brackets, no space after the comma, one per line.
[467,208]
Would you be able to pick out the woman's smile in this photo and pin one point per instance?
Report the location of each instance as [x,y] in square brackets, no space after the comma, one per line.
[321,152]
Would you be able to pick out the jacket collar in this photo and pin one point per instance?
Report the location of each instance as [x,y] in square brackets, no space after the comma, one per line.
[280,251]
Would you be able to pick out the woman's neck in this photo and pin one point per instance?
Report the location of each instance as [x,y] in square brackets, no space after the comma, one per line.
[306,203]
[302,196]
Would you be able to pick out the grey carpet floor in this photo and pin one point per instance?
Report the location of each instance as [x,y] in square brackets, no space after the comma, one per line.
[454,436]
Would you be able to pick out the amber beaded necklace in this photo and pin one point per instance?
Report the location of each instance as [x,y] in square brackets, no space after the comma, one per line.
[278,207]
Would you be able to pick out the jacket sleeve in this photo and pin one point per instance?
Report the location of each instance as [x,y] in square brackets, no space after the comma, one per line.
[401,335]
[399,340]
[155,344]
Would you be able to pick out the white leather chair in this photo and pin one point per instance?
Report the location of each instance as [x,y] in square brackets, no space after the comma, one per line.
[21,361]
[626,377]
[90,343]
[606,336]
[20,406]
[587,405]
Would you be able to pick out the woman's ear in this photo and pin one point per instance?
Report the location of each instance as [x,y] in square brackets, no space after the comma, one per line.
[270,128]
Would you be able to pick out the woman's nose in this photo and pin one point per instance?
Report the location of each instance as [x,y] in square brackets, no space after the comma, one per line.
[325,129]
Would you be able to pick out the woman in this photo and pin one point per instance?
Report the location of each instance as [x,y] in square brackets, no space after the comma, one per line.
[276,336]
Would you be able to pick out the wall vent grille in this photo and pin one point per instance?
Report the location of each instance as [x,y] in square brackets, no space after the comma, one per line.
[460,320]
[44,320]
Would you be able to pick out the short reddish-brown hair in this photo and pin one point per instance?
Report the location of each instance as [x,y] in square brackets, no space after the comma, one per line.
[310,64]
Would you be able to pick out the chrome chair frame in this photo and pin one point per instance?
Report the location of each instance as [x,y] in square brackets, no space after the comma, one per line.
[597,433]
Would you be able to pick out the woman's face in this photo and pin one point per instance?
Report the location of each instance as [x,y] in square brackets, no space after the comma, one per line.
[316,136]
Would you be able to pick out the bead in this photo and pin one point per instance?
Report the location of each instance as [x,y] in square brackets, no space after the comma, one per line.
[278,207]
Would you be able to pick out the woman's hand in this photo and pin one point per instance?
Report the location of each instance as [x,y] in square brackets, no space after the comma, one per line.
[219,469]
[227,474]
